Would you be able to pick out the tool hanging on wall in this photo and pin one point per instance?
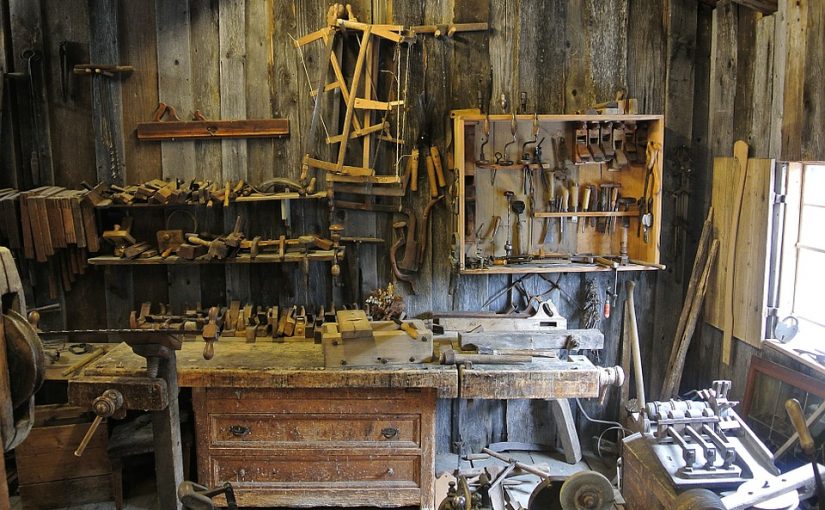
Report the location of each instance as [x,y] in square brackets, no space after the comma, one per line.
[200,128]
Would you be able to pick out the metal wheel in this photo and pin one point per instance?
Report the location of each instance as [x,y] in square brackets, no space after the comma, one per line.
[587,490]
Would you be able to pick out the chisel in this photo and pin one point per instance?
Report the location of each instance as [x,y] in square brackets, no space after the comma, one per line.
[585,204]
[565,198]
[574,204]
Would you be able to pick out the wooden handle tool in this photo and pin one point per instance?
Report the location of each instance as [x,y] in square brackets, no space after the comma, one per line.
[585,203]
[413,164]
[431,176]
[439,169]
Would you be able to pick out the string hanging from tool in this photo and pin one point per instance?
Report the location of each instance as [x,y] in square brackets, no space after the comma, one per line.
[309,80]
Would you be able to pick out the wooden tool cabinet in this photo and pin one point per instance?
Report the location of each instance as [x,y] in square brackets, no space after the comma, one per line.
[483,198]
[311,446]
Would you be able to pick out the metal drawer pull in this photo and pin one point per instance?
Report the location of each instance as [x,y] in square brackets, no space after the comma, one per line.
[390,472]
[239,430]
[389,432]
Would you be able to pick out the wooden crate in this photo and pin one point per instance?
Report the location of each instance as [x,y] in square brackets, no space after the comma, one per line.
[482,198]
[49,474]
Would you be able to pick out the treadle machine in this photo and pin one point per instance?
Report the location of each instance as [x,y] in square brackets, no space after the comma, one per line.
[684,445]
[21,365]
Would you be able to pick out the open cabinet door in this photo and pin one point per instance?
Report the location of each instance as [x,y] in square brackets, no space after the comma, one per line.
[751,243]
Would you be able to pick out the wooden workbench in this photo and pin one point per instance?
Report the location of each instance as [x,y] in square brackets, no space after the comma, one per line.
[238,364]
[285,431]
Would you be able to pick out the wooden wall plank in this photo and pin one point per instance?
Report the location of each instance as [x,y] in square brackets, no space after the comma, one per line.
[793,111]
[175,81]
[232,26]
[206,69]
[679,83]
[106,93]
[813,130]
[778,78]
[760,130]
[610,58]
[139,92]
[539,57]
[73,150]
[746,53]
[32,108]
[723,79]
[504,51]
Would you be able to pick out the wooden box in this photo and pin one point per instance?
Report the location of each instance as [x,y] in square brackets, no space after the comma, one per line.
[49,473]
[483,185]
[318,447]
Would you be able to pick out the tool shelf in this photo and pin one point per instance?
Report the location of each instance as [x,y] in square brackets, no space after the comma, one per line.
[483,181]
[277,197]
[263,258]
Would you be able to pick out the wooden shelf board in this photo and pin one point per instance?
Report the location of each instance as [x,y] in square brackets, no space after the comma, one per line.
[555,268]
[595,214]
[320,195]
[562,118]
[264,258]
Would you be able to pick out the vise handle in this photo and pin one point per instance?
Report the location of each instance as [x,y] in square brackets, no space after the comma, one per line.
[104,406]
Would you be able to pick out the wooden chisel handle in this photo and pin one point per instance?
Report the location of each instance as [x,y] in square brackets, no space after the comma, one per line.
[431,176]
[413,163]
[439,169]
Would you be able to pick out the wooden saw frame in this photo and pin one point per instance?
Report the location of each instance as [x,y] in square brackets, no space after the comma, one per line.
[358,122]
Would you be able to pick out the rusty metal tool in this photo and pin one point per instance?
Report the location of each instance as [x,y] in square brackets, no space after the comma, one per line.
[210,333]
[399,227]
[198,497]
[518,207]
[508,244]
[425,228]
[409,262]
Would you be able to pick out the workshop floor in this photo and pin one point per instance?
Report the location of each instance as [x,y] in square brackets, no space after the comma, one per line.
[142,497]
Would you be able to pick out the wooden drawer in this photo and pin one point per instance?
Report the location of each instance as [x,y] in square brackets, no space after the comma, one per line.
[318,447]
[305,470]
[321,430]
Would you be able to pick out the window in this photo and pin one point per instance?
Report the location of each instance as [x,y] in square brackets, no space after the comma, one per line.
[800,279]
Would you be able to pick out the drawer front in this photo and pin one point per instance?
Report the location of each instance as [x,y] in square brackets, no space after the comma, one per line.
[346,401]
[307,430]
[307,471]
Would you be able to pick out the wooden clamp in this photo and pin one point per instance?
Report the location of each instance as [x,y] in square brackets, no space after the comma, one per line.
[202,128]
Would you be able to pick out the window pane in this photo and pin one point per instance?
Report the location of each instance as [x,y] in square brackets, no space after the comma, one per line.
[813,185]
[810,281]
[812,228]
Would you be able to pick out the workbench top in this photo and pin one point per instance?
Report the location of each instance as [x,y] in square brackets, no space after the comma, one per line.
[238,364]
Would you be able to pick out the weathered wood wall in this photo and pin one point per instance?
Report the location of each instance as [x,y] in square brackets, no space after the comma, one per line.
[235,58]
[765,87]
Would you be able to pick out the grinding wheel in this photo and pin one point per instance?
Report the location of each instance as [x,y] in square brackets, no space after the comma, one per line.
[26,359]
[546,495]
[698,499]
[587,490]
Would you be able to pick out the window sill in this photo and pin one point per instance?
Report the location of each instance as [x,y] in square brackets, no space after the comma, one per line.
[788,350]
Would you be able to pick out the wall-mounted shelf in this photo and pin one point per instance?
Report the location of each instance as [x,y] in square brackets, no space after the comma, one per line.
[483,181]
[275,197]
[263,258]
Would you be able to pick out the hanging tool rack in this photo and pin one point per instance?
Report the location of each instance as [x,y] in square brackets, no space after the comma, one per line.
[558,193]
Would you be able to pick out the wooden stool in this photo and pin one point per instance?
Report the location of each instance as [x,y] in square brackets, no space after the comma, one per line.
[136,438]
